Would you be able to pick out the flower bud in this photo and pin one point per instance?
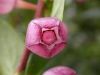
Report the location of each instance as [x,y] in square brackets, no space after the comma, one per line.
[60,70]
[6,6]
[46,37]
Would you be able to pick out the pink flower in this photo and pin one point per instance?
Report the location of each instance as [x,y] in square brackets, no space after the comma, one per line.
[6,6]
[46,37]
[60,70]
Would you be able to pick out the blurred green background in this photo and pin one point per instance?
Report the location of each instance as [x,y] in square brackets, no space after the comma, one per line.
[82,52]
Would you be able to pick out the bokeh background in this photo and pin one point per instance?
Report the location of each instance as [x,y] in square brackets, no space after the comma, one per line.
[82,52]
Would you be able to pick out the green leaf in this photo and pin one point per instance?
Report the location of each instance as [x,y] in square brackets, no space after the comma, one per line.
[58,8]
[11,47]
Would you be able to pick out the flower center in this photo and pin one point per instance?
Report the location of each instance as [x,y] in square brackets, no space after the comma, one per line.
[49,37]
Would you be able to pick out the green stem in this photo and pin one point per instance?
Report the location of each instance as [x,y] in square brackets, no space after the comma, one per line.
[58,8]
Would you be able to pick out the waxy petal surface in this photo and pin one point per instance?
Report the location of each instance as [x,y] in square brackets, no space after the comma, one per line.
[6,6]
[60,70]
[46,37]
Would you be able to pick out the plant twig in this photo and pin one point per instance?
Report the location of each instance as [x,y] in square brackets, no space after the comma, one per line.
[25,5]
[39,8]
[23,61]
[38,13]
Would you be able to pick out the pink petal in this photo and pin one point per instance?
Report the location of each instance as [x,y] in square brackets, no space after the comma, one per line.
[47,22]
[6,6]
[57,49]
[60,70]
[39,50]
[49,37]
[33,35]
[63,31]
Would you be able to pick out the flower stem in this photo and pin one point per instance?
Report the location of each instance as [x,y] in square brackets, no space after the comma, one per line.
[39,8]
[23,61]
[25,5]
[38,13]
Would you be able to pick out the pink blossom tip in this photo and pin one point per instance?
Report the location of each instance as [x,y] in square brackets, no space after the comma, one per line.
[6,6]
[60,70]
[46,37]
